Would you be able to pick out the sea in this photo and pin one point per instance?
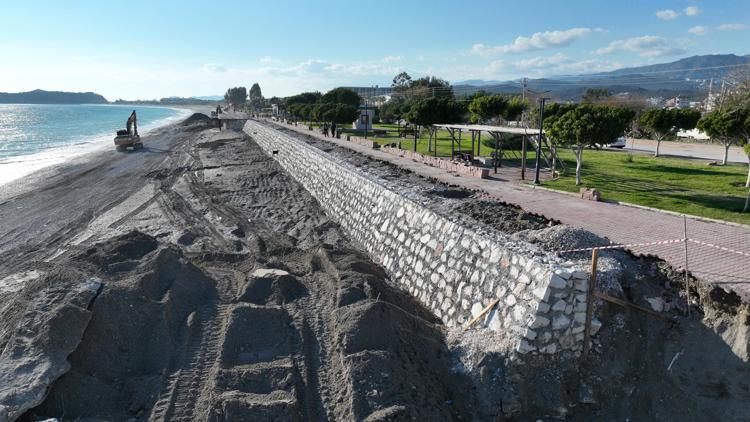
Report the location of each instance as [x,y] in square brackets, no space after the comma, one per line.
[34,136]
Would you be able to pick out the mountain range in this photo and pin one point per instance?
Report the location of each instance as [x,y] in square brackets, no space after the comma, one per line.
[689,76]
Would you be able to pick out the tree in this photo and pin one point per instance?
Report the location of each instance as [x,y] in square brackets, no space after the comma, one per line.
[587,125]
[485,107]
[728,127]
[663,124]
[342,96]
[401,83]
[255,97]
[343,113]
[391,111]
[236,96]
[488,107]
[431,111]
[320,111]
[594,95]
[429,86]
[303,98]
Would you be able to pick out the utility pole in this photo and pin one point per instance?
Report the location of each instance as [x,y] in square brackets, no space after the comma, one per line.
[367,116]
[523,94]
[539,140]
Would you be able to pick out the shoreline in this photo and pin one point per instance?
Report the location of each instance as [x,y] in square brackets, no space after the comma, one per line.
[22,167]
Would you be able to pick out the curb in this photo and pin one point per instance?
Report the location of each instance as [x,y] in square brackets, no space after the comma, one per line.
[644,207]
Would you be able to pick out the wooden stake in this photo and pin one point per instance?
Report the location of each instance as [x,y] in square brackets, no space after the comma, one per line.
[481,314]
[625,303]
[589,302]
[687,285]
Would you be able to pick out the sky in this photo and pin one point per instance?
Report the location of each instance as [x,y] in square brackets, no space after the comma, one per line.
[152,49]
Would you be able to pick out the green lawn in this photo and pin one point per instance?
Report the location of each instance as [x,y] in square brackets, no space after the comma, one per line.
[673,184]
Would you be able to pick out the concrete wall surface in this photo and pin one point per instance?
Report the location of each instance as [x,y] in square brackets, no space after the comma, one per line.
[452,267]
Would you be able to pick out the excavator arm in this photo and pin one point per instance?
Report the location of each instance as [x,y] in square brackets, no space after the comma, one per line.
[132,124]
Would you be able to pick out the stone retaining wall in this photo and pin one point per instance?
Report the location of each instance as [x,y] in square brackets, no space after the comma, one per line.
[453,268]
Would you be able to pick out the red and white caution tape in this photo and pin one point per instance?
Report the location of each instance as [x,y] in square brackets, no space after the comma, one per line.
[661,242]
[723,248]
[632,245]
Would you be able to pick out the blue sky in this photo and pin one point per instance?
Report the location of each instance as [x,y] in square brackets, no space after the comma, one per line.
[150,49]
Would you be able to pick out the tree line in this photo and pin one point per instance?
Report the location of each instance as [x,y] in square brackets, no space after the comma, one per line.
[241,98]
[421,103]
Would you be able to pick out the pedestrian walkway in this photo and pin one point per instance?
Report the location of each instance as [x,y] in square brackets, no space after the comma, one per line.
[717,253]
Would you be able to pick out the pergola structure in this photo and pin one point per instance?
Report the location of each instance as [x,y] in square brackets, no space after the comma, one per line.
[494,131]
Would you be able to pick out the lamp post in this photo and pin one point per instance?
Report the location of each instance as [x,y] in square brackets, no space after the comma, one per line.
[539,141]
[367,117]
[367,120]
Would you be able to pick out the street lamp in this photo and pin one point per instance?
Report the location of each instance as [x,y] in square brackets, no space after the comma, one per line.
[542,100]
[367,120]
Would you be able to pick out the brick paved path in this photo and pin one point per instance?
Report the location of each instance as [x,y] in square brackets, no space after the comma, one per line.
[621,224]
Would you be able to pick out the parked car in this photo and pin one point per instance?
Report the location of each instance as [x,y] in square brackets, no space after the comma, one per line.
[618,143]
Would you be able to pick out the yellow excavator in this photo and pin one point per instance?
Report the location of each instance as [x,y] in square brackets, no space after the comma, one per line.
[129,137]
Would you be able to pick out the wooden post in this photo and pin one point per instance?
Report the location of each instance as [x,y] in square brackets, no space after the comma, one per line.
[479,143]
[590,302]
[523,158]
[687,285]
[472,142]
[453,143]
[494,160]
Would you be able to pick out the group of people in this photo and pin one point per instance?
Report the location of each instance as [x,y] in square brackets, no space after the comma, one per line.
[326,129]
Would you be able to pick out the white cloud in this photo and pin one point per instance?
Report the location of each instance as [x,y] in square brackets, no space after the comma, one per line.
[213,67]
[495,67]
[390,59]
[559,64]
[538,62]
[667,14]
[699,30]
[692,11]
[537,41]
[731,27]
[645,46]
[269,60]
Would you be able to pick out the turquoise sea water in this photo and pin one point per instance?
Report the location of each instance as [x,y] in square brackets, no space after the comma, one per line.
[33,136]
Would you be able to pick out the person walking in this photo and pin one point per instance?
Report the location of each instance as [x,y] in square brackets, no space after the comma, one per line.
[333,129]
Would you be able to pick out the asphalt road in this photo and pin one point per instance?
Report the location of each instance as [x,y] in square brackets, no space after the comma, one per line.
[689,150]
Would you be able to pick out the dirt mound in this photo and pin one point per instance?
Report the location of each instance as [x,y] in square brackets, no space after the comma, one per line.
[271,287]
[37,352]
[502,217]
[561,237]
[398,364]
[197,119]
[138,324]
[121,253]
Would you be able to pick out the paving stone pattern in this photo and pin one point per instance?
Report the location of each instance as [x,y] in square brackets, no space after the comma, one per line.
[453,268]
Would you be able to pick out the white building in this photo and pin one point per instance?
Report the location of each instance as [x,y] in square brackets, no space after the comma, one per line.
[364,121]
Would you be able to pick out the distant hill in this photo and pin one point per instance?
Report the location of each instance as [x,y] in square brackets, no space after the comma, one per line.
[39,96]
[685,76]
[210,97]
[696,67]
[169,101]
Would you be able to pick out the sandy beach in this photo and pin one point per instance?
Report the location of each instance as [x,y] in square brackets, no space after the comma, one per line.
[196,280]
